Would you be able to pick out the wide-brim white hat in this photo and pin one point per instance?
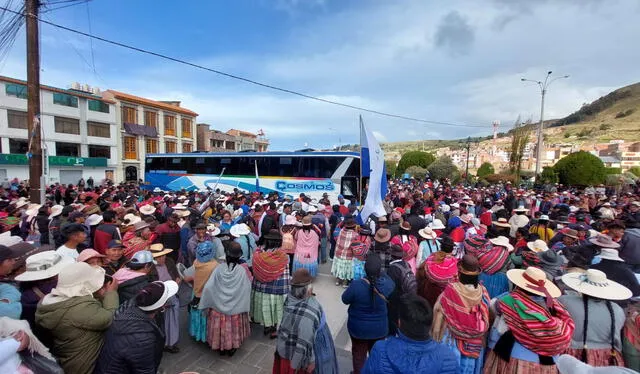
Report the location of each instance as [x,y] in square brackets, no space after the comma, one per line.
[239,230]
[503,242]
[213,230]
[170,289]
[610,254]
[8,240]
[56,210]
[133,219]
[538,246]
[595,283]
[147,209]
[44,265]
[523,279]
[521,209]
[33,209]
[437,225]
[568,364]
[427,233]
[93,220]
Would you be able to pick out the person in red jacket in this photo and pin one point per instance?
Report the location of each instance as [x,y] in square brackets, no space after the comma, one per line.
[106,232]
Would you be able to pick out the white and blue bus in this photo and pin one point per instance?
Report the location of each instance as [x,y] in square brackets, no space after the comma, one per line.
[287,173]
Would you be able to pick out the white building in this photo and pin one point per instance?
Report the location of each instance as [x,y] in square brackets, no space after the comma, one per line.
[149,126]
[80,133]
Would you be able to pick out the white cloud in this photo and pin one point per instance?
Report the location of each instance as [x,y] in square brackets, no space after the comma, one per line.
[379,136]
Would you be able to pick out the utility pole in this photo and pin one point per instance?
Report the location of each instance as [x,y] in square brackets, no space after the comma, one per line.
[33,102]
[466,173]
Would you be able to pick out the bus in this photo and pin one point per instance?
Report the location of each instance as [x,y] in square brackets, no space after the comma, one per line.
[287,173]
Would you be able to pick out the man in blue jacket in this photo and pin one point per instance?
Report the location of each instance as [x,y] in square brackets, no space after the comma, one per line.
[412,350]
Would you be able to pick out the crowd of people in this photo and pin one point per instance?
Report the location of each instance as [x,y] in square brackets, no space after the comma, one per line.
[452,279]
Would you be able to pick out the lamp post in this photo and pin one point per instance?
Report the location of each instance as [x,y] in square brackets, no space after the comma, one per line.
[544,85]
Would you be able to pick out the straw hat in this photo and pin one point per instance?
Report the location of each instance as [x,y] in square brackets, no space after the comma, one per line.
[533,280]
[213,230]
[44,265]
[427,233]
[93,220]
[21,202]
[131,219]
[32,209]
[56,210]
[604,241]
[306,221]
[610,254]
[595,283]
[502,242]
[538,246]
[182,213]
[147,209]
[179,206]
[405,225]
[501,222]
[382,236]
[239,230]
[521,208]
[87,254]
[140,225]
[437,225]
[158,250]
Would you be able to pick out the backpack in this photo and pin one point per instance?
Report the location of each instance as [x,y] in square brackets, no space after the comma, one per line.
[407,279]
[288,243]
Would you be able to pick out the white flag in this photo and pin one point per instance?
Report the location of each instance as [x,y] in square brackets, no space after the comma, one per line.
[372,159]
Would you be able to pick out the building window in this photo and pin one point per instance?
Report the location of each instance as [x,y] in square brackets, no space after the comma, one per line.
[67,149]
[152,146]
[67,125]
[18,146]
[187,147]
[65,99]
[186,128]
[129,115]
[99,151]
[98,106]
[17,119]
[169,125]
[170,147]
[16,90]
[151,119]
[130,151]
[101,130]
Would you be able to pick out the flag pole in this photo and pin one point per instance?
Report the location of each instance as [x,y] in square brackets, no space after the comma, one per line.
[360,186]
[257,177]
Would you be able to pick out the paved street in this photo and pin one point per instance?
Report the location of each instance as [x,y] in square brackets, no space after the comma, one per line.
[256,353]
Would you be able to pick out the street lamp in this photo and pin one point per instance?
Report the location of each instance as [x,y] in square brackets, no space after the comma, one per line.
[544,85]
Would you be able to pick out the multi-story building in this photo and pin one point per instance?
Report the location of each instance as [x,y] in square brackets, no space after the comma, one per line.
[149,126]
[210,140]
[247,141]
[79,133]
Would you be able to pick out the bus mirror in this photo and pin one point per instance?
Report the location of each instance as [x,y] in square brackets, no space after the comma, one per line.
[349,187]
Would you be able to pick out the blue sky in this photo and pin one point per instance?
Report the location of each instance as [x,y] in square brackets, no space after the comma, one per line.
[456,61]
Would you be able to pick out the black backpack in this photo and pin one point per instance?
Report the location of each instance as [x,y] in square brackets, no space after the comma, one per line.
[407,280]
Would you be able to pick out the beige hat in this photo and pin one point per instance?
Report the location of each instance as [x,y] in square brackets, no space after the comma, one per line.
[502,242]
[182,213]
[44,265]
[437,225]
[158,250]
[131,219]
[533,280]
[56,210]
[147,209]
[87,254]
[93,220]
[595,283]
[610,254]
[604,241]
[538,246]
[79,279]
[140,225]
[32,209]
[501,222]
[521,208]
[213,230]
[427,233]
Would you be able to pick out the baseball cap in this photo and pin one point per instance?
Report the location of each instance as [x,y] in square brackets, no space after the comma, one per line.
[154,295]
[115,243]
[142,257]
[6,253]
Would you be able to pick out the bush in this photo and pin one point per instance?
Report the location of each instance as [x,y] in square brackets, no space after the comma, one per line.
[625,113]
[485,169]
[496,178]
[391,167]
[443,167]
[584,133]
[608,171]
[414,158]
[605,127]
[548,175]
[567,134]
[580,169]
[635,171]
[416,172]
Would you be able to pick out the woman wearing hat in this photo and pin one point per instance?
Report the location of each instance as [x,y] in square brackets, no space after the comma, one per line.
[409,244]
[203,265]
[165,270]
[342,267]
[75,318]
[542,229]
[437,271]
[307,244]
[134,276]
[461,316]
[531,327]
[243,236]
[138,240]
[429,244]
[367,300]
[381,247]
[270,283]
[501,227]
[551,263]
[288,232]
[304,344]
[204,233]
[360,248]
[494,260]
[596,338]
[227,296]
[615,268]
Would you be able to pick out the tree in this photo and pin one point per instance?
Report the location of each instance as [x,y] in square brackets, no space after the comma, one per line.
[580,169]
[485,169]
[635,171]
[416,172]
[548,175]
[443,167]
[519,138]
[391,168]
[414,158]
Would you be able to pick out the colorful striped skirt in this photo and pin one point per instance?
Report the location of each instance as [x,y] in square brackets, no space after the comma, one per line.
[342,269]
[267,309]
[597,357]
[495,365]
[198,324]
[312,267]
[227,332]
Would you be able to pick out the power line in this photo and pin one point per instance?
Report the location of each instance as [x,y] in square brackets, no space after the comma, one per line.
[251,81]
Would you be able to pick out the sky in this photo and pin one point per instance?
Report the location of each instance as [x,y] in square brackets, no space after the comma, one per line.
[453,61]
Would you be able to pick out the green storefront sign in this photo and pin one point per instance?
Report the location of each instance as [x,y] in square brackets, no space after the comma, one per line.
[17,159]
